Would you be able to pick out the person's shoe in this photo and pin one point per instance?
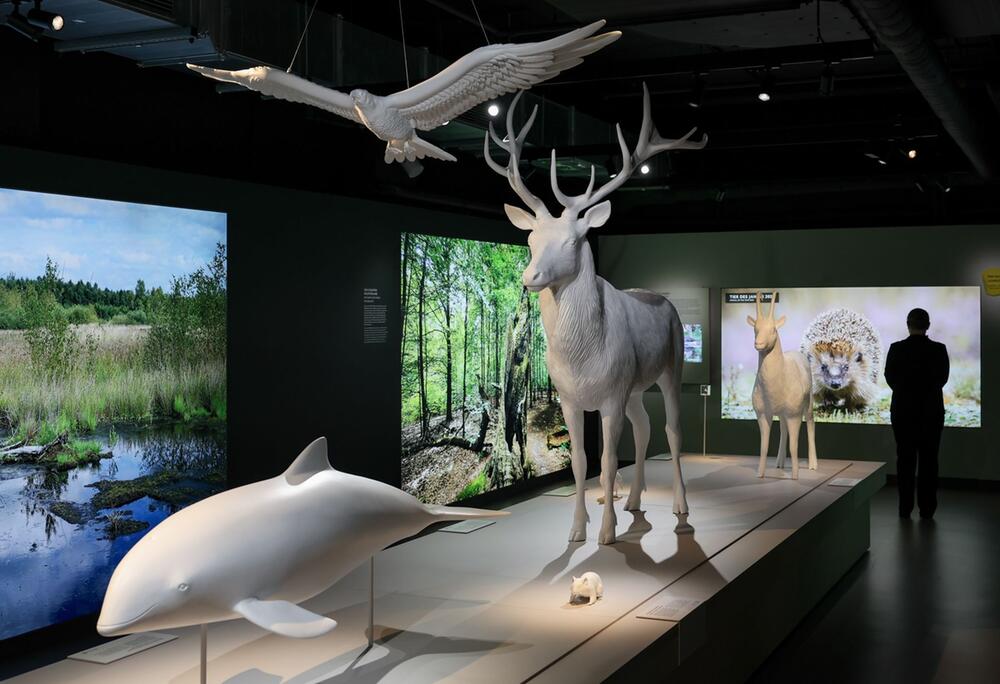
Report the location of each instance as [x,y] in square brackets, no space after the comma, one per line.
[904,516]
[926,516]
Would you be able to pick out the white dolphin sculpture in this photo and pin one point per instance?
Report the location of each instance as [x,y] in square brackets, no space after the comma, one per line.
[258,550]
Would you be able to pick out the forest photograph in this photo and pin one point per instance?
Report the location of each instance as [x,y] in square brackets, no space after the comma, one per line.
[479,411]
[112,389]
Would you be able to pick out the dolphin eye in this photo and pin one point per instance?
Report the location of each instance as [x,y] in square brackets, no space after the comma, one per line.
[183,586]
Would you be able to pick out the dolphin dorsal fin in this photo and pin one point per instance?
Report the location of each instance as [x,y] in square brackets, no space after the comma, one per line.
[312,460]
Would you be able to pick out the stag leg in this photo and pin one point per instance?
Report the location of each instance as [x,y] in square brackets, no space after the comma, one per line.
[670,386]
[637,415]
[612,420]
[794,423]
[764,422]
[578,456]
[782,444]
[811,434]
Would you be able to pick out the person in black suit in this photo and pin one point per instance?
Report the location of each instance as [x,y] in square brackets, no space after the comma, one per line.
[916,369]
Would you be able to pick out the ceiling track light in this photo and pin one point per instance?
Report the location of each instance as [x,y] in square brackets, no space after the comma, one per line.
[766,90]
[697,92]
[48,21]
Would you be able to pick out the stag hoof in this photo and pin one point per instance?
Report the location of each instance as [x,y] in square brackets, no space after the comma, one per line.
[607,537]
[681,506]
[683,526]
[578,534]
[634,502]
[760,472]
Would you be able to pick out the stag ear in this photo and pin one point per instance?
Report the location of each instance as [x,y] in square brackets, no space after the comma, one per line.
[751,322]
[519,217]
[598,214]
[780,322]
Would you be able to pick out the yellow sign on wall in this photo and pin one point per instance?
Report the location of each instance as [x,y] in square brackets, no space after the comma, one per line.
[991,281]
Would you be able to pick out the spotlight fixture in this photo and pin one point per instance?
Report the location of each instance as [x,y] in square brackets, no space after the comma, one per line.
[766,87]
[697,92]
[720,195]
[493,110]
[911,153]
[826,81]
[644,169]
[44,20]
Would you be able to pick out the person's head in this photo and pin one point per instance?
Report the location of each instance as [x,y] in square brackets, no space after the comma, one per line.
[918,321]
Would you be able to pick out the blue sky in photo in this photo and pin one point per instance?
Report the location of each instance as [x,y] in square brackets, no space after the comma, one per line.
[113,244]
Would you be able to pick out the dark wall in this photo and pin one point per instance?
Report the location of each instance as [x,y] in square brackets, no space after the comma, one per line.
[298,263]
[857,257]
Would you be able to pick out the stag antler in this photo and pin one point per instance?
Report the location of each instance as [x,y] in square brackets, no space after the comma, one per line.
[512,145]
[650,144]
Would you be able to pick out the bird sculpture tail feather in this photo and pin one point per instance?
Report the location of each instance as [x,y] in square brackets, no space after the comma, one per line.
[414,148]
[456,513]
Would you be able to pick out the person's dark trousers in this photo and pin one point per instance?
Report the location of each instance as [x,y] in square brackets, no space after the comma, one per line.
[917,445]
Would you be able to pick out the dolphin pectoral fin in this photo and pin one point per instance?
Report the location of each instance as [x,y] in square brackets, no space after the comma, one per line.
[312,460]
[284,618]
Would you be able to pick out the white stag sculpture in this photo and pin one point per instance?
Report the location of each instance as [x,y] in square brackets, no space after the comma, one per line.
[783,388]
[605,346]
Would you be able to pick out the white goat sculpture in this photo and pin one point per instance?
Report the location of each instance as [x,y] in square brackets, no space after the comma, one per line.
[605,346]
[783,388]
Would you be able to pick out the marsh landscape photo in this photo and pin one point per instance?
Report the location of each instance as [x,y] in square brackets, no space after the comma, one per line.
[112,389]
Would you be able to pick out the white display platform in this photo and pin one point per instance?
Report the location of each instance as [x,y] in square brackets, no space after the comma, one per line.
[493,606]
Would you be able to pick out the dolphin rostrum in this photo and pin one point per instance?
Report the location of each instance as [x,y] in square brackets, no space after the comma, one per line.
[257,551]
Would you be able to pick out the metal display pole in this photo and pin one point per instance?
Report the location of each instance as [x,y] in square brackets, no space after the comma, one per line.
[204,654]
[371,602]
[706,392]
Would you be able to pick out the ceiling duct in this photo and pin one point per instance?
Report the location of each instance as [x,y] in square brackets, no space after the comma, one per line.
[899,30]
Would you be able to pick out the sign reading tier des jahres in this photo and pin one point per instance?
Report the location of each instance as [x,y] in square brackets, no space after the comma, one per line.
[374,328]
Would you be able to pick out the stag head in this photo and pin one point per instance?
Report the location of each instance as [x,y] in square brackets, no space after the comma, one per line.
[556,242]
[765,328]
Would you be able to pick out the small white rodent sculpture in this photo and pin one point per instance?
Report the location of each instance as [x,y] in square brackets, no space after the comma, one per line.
[589,586]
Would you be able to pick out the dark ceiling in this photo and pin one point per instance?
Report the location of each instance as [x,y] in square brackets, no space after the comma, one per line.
[112,85]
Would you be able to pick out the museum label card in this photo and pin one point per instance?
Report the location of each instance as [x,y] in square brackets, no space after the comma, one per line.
[660,457]
[467,526]
[122,648]
[568,490]
[844,481]
[671,609]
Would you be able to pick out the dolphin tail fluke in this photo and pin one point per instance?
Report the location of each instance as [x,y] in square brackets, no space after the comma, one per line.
[447,513]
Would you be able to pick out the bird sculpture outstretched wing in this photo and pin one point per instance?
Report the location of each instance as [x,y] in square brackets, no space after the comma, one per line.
[481,75]
[285,86]
[493,70]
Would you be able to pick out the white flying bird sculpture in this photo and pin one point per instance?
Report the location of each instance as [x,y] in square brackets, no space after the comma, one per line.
[483,74]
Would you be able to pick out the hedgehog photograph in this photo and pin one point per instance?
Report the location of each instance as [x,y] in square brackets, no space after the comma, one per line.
[844,350]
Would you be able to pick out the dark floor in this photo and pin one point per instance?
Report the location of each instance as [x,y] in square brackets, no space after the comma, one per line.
[923,605]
